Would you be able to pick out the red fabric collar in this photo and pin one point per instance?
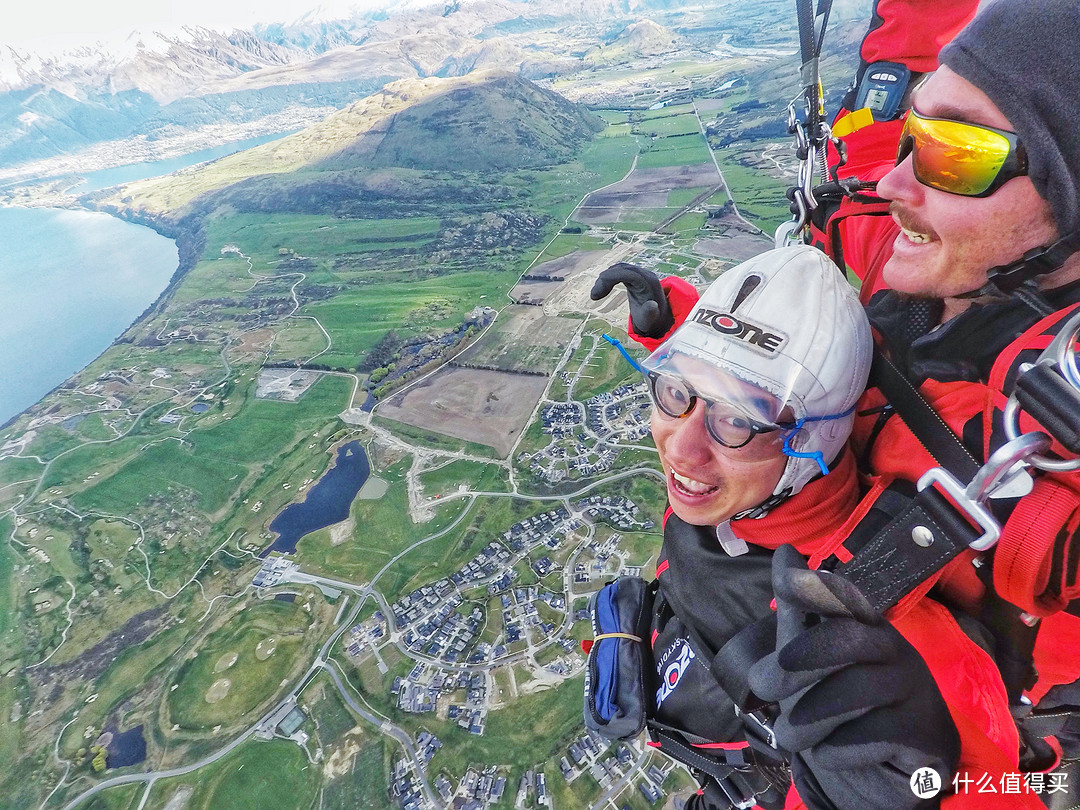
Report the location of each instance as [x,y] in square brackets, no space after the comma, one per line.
[809,519]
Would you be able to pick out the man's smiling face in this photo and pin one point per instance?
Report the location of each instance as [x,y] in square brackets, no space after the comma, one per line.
[948,242]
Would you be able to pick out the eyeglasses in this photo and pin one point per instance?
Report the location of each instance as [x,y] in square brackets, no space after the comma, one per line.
[727,426]
[960,158]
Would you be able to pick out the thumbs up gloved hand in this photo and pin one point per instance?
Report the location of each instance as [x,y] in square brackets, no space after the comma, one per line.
[650,312]
[859,710]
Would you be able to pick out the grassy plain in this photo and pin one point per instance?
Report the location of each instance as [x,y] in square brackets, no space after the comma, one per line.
[123,797]
[488,518]
[212,463]
[357,319]
[365,786]
[530,731]
[382,530]
[133,668]
[254,677]
[436,441]
[759,197]
[684,151]
[330,715]
[566,243]
[480,477]
[9,605]
[271,775]
[607,368]
[316,235]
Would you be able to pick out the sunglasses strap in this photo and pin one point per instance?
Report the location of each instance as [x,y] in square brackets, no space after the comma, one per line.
[1007,279]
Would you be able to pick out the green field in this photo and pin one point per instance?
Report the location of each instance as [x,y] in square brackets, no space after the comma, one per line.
[435,441]
[316,235]
[154,473]
[331,717]
[532,730]
[357,319]
[566,243]
[759,197]
[273,775]
[365,786]
[212,463]
[123,797]
[254,678]
[487,519]
[607,368]
[686,124]
[481,477]
[689,222]
[684,196]
[8,598]
[126,676]
[684,151]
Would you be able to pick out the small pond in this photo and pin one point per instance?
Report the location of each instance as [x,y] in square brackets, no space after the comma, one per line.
[127,748]
[327,502]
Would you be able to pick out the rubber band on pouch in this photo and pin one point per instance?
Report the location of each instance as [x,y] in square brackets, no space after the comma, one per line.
[617,635]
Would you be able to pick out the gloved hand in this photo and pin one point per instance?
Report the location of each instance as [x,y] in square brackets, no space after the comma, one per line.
[650,312]
[859,710]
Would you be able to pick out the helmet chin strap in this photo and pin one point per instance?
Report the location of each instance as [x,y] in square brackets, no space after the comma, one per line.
[1017,278]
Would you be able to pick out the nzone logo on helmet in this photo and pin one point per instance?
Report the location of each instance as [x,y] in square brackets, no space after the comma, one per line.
[750,333]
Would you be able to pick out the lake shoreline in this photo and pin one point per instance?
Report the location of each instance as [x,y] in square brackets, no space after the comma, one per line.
[189,244]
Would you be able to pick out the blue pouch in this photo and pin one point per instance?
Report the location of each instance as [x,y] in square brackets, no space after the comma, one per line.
[618,666]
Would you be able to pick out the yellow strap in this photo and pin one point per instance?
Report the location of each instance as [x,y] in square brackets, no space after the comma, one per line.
[855,121]
[617,635]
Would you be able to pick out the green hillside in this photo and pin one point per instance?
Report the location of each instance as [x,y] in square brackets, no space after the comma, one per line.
[479,123]
[505,123]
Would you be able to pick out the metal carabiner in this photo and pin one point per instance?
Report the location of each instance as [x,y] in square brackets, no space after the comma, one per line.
[794,230]
[1058,354]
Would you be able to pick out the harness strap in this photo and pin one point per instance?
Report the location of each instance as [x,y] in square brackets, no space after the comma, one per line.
[742,782]
[924,422]
[912,548]
[1023,560]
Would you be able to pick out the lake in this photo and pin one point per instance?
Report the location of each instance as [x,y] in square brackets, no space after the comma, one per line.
[94,181]
[70,283]
[327,502]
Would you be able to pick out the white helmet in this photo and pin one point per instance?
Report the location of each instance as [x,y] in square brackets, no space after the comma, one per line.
[788,323]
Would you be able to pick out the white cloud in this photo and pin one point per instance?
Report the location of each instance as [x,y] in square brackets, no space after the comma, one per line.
[49,27]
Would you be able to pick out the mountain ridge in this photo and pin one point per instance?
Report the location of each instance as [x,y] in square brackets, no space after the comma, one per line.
[509,122]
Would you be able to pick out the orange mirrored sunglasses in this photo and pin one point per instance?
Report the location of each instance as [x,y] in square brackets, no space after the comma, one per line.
[960,158]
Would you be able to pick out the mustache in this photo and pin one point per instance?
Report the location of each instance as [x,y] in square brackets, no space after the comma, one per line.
[910,221]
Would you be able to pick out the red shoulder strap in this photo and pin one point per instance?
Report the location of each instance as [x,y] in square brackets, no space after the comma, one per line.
[1029,562]
[1030,569]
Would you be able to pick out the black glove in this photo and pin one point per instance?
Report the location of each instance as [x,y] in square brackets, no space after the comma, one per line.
[859,710]
[650,312]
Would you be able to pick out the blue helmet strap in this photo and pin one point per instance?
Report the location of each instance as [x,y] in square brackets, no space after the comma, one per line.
[614,342]
[816,454]
[791,432]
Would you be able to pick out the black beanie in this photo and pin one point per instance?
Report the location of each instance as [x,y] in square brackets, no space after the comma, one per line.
[1025,55]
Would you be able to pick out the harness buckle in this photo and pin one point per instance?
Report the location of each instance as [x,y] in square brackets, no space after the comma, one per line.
[957,492]
[759,723]
[1003,475]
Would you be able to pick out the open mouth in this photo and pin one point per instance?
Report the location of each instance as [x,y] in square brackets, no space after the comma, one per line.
[915,236]
[690,487]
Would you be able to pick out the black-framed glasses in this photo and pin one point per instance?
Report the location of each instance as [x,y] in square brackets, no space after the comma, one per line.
[727,425]
[960,158]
